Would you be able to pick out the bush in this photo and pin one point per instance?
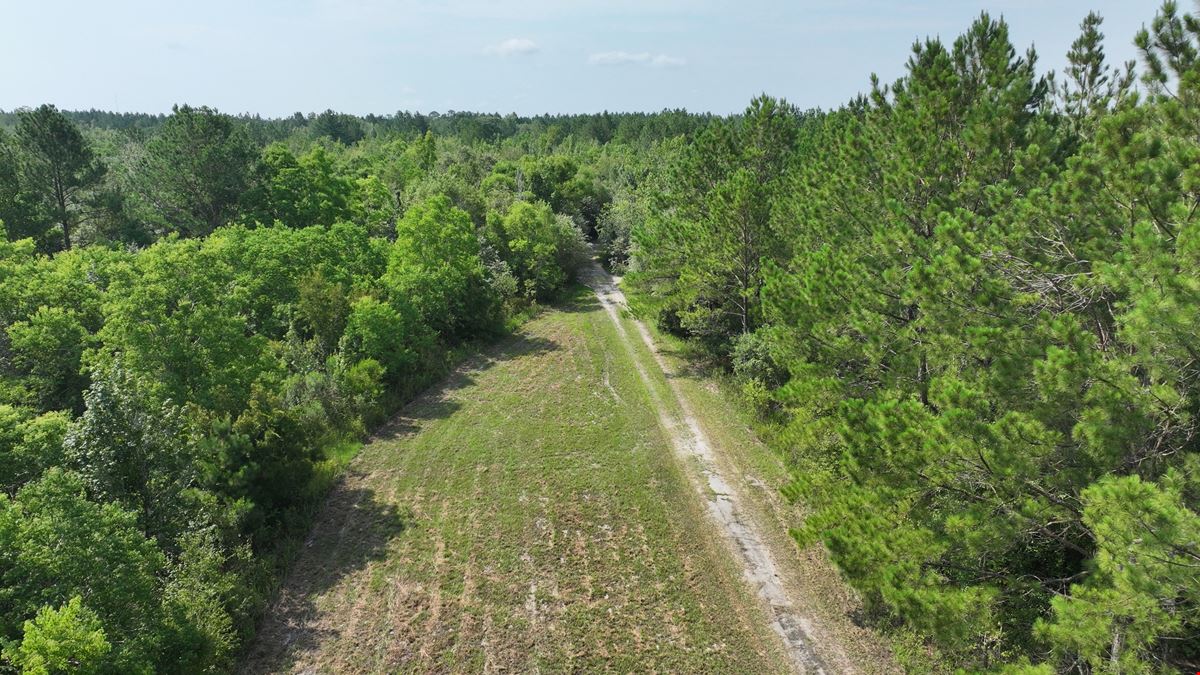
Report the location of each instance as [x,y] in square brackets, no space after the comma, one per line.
[752,359]
[67,639]
[389,334]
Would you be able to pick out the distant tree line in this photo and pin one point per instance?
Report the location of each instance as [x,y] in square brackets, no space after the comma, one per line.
[637,128]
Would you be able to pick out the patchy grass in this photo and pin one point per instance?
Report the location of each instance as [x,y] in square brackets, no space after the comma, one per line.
[760,474]
[528,514]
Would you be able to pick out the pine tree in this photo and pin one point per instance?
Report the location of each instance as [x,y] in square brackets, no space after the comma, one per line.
[59,165]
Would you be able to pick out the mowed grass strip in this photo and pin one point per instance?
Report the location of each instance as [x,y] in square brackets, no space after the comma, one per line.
[527,515]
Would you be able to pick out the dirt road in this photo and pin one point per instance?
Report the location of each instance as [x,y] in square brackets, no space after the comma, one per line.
[724,503]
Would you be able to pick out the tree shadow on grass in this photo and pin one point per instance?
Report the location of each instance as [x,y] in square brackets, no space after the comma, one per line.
[579,300]
[441,400]
[355,527]
[692,364]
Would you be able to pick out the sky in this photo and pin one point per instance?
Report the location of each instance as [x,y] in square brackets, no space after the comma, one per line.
[276,57]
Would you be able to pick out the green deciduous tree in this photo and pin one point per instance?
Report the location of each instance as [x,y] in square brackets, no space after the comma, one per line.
[29,445]
[56,544]
[175,322]
[203,600]
[130,450]
[435,264]
[542,250]
[49,347]
[389,333]
[564,186]
[298,192]
[67,639]
[373,205]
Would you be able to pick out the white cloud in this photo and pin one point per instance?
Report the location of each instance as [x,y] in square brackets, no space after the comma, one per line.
[513,47]
[664,61]
[636,58]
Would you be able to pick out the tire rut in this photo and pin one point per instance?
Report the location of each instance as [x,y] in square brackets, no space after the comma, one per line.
[724,505]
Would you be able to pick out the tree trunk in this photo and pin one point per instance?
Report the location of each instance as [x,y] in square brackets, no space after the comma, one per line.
[64,218]
[1114,656]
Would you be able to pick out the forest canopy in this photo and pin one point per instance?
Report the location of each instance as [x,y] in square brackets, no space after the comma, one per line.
[963,306]
[198,326]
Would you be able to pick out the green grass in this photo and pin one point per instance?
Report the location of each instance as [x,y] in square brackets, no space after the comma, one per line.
[759,473]
[528,514]
[343,451]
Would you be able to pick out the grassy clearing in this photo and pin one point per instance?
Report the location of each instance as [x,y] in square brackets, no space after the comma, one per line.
[528,514]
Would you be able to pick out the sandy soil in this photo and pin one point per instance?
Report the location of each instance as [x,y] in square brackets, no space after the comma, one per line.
[809,645]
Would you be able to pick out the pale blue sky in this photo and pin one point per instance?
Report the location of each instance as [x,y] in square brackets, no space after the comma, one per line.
[278,56]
